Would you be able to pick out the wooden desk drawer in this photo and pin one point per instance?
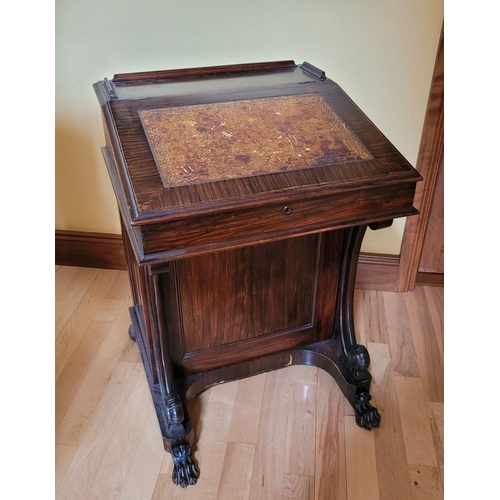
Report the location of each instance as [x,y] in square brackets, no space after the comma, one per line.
[289,218]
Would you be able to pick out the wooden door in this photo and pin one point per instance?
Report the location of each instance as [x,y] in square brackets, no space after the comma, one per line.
[432,259]
[422,249]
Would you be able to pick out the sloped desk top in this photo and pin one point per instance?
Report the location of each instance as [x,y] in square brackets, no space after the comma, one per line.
[207,159]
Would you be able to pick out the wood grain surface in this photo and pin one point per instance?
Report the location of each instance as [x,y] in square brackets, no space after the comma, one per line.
[108,443]
[148,198]
[252,291]
[430,162]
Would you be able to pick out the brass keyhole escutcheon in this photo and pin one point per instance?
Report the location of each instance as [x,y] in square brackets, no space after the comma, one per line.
[287,210]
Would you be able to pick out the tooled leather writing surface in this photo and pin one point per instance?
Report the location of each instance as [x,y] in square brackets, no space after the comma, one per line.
[226,140]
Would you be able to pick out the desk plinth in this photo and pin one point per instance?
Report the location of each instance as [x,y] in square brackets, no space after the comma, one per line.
[244,194]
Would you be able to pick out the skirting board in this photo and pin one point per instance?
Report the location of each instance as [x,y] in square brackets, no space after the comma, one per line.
[100,250]
[105,251]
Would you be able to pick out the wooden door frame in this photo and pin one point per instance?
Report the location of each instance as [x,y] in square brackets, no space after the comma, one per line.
[429,158]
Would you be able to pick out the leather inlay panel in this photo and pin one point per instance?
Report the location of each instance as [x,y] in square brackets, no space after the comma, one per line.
[227,140]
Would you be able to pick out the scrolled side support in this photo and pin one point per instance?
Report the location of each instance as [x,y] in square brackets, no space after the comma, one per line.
[354,358]
[178,426]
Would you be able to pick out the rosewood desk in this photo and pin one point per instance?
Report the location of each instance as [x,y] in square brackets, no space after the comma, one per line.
[244,193]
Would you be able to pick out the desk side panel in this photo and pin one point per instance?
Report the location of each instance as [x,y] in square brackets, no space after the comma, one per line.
[248,302]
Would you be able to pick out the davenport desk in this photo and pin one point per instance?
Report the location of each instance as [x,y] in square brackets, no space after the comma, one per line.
[244,194]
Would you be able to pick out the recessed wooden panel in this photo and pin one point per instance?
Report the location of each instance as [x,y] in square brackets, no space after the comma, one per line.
[227,140]
[237,295]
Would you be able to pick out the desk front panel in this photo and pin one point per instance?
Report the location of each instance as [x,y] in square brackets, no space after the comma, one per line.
[239,304]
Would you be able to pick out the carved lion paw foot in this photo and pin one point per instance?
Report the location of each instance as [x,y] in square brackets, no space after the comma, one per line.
[185,471]
[367,416]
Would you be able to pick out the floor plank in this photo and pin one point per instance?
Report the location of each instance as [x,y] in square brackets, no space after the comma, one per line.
[86,462]
[147,461]
[269,463]
[435,412]
[361,463]
[425,483]
[393,479]
[247,410]
[82,316]
[117,460]
[72,284]
[297,487]
[79,414]
[64,456]
[74,371]
[237,472]
[288,434]
[415,421]
[426,345]
[300,443]
[435,300]
[330,468]
[403,356]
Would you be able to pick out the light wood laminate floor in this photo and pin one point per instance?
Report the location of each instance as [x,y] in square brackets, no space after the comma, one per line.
[288,434]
